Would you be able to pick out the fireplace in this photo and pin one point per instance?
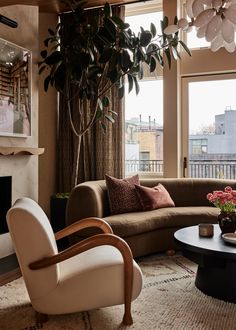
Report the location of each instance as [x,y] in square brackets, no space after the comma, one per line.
[5,201]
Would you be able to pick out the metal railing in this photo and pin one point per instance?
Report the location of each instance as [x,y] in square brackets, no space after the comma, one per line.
[196,169]
[153,166]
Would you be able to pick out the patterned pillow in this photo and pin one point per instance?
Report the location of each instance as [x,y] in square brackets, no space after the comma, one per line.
[122,194]
[154,198]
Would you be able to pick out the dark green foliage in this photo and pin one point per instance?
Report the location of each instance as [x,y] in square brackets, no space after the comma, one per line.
[94,56]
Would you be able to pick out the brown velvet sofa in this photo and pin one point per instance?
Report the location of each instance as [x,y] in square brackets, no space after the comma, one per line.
[151,231]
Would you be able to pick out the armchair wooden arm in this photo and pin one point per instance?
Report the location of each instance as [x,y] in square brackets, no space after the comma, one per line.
[84,223]
[89,243]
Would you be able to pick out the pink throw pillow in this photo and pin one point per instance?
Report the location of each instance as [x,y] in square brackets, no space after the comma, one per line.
[122,194]
[154,198]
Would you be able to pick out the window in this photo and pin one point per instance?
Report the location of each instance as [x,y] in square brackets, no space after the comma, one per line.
[210,126]
[144,113]
[197,146]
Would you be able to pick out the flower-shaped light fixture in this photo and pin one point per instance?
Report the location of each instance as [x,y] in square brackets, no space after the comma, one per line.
[214,19]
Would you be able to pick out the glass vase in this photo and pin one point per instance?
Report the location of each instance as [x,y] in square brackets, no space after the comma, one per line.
[227,222]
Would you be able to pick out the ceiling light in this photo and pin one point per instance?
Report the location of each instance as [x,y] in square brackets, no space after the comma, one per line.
[214,20]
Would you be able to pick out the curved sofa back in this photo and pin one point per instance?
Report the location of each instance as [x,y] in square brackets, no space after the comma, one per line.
[91,198]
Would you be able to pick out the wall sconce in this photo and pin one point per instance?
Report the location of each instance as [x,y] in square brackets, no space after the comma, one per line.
[7,21]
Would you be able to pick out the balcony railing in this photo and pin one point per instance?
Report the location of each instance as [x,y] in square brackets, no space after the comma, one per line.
[197,169]
[134,166]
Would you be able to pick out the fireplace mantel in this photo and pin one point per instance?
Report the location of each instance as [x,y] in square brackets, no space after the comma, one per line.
[6,151]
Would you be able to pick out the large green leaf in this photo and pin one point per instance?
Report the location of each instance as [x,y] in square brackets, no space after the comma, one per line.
[145,38]
[106,55]
[137,88]
[168,56]
[106,101]
[120,23]
[84,59]
[44,53]
[152,64]
[110,118]
[125,60]
[185,47]
[43,67]
[46,83]
[53,58]
[130,82]
[107,10]
[59,78]
[113,75]
[153,30]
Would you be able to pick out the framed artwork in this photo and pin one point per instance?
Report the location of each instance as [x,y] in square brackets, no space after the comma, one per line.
[15,90]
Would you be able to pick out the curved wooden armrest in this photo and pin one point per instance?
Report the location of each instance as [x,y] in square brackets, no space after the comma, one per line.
[89,243]
[84,223]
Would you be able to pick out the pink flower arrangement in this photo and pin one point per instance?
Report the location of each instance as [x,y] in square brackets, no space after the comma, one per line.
[224,200]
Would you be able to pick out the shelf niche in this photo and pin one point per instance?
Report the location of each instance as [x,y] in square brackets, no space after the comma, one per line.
[7,151]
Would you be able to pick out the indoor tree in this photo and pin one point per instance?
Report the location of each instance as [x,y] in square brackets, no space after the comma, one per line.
[97,55]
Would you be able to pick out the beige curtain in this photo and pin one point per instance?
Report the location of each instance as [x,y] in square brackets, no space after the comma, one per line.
[100,153]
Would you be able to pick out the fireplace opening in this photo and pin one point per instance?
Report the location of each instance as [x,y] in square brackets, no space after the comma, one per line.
[5,201]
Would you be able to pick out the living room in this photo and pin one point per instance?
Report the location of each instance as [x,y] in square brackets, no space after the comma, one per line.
[36,163]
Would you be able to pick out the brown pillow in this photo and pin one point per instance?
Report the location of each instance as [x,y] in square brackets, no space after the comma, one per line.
[154,198]
[122,194]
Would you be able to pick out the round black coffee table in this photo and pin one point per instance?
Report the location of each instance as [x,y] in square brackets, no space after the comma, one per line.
[216,274]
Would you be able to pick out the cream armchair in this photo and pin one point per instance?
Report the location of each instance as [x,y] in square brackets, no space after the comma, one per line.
[97,272]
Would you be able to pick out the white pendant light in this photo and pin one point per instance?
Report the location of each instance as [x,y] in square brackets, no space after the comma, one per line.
[197,7]
[188,8]
[207,2]
[183,24]
[230,47]
[170,29]
[216,3]
[227,30]
[217,43]
[213,28]
[230,13]
[204,17]
[201,32]
[214,19]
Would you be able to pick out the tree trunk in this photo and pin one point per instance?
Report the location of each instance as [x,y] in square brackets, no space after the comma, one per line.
[75,169]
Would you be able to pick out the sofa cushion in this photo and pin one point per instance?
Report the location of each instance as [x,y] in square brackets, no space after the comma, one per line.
[154,198]
[122,194]
[135,223]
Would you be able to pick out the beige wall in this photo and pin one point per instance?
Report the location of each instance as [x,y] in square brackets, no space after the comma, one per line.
[47,125]
[23,169]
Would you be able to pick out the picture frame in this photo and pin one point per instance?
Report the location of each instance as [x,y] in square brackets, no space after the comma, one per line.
[15,90]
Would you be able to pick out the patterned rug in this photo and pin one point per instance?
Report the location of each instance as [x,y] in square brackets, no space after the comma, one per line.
[169,300]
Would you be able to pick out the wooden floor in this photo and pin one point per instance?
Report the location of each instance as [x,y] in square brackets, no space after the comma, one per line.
[9,269]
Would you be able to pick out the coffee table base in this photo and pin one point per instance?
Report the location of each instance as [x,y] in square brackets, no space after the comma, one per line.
[218,282]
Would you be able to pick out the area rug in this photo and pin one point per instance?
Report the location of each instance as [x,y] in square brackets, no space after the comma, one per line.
[169,300]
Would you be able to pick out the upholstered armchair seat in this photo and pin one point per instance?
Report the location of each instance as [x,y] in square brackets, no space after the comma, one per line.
[90,280]
[97,272]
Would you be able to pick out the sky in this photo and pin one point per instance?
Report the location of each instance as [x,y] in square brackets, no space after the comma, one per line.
[210,98]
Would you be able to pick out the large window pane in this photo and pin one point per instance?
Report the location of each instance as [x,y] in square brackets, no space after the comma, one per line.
[144,128]
[144,114]
[212,128]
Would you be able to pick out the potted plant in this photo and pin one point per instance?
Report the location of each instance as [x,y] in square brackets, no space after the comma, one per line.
[97,56]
